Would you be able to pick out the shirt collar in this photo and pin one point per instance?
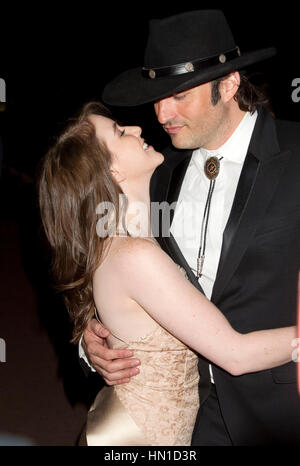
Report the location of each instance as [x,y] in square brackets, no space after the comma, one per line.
[236,147]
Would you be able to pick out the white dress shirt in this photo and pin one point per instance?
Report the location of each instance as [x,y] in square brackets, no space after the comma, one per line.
[188,215]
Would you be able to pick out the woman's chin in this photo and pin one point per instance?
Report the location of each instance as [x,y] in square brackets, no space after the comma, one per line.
[160,158]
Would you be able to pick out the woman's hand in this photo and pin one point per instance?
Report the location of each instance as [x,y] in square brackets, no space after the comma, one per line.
[115,366]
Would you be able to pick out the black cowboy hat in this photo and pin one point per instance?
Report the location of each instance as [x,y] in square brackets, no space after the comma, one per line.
[183,51]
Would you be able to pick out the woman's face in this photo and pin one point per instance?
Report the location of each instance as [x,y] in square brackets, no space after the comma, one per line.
[133,159]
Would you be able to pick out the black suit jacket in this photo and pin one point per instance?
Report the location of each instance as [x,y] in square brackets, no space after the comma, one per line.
[256,283]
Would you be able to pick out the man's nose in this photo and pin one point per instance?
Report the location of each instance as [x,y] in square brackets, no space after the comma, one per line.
[164,110]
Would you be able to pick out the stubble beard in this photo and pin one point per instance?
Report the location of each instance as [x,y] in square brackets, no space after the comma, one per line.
[195,138]
[208,133]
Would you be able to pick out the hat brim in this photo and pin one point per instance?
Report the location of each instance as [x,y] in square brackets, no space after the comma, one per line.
[131,88]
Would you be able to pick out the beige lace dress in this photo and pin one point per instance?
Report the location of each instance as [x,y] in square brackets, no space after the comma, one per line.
[158,406]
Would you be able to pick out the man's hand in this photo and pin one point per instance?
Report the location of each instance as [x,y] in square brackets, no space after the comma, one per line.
[115,366]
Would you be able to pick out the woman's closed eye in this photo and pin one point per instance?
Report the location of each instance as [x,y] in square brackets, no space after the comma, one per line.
[121,130]
[116,128]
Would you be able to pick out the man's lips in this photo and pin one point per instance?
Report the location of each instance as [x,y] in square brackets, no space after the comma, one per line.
[173,129]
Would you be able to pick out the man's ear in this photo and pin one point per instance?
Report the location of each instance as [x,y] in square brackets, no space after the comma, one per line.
[229,86]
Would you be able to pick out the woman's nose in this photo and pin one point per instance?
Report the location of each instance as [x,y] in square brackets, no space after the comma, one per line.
[136,130]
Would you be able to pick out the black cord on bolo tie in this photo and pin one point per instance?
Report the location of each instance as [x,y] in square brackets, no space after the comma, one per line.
[211,170]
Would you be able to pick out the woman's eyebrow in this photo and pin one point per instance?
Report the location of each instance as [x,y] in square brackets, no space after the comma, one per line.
[115,126]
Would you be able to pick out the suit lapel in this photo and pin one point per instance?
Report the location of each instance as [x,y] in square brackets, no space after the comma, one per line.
[160,183]
[167,179]
[177,177]
[166,186]
[261,173]
[171,247]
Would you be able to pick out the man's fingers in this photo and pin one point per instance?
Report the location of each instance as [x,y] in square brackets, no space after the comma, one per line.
[115,370]
[119,375]
[99,353]
[115,365]
[95,327]
[119,382]
[122,365]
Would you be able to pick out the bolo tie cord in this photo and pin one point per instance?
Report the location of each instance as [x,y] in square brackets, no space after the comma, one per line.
[204,225]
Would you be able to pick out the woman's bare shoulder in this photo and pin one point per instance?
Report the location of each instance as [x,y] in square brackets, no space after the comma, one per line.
[129,258]
[124,247]
[129,250]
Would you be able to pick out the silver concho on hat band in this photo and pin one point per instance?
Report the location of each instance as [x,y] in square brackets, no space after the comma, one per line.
[198,64]
[222,58]
[212,168]
[189,67]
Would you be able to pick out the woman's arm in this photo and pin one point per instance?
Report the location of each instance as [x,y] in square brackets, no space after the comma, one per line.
[154,281]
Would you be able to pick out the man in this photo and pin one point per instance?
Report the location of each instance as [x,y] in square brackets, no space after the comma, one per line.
[238,170]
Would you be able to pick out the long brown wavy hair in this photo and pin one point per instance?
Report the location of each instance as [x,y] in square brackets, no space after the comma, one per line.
[73,178]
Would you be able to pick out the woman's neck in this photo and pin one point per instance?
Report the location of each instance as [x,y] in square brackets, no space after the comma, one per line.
[138,211]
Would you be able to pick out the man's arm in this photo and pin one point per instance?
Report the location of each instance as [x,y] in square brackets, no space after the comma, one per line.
[115,366]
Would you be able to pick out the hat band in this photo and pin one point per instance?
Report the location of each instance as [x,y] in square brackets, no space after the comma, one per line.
[191,66]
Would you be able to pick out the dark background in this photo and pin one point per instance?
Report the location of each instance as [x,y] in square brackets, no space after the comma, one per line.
[53,61]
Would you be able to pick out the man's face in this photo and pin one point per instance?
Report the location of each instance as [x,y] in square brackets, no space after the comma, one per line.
[190,119]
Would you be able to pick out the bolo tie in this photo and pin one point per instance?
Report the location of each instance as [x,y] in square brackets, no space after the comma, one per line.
[211,170]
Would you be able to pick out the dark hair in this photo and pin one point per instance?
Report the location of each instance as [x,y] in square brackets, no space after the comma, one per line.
[248,95]
[74,177]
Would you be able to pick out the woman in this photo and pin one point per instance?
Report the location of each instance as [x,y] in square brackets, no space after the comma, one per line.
[139,293]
